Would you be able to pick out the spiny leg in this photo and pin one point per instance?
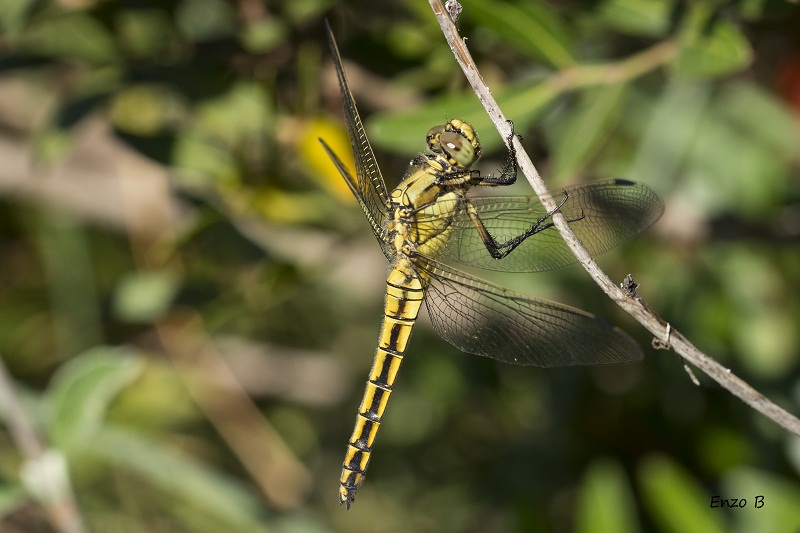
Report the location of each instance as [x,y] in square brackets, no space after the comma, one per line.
[508,175]
[501,250]
[508,172]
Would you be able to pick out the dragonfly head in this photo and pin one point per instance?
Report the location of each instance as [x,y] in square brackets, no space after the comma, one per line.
[457,141]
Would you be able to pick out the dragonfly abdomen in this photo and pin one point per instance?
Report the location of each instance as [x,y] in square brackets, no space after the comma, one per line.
[404,294]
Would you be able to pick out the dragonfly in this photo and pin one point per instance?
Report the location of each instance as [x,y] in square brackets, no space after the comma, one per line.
[428,222]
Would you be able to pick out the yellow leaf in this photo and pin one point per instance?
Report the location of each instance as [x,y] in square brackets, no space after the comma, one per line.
[315,157]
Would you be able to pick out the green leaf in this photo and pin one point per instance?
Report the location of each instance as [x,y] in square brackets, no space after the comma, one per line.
[82,389]
[205,20]
[66,251]
[264,35]
[14,15]
[606,503]
[12,497]
[203,492]
[756,111]
[760,329]
[676,501]
[144,109]
[706,55]
[720,448]
[586,129]
[667,136]
[143,297]
[240,115]
[637,17]
[532,27]
[202,162]
[404,133]
[144,32]
[70,35]
[741,152]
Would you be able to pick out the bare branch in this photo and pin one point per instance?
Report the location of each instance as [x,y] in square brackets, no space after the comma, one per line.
[633,305]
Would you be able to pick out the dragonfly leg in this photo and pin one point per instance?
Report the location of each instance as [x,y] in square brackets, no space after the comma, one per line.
[508,173]
[500,250]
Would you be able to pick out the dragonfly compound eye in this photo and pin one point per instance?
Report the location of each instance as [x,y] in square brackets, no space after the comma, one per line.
[458,149]
[433,139]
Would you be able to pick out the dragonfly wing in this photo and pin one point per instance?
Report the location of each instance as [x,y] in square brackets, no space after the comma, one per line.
[604,215]
[484,319]
[374,218]
[368,185]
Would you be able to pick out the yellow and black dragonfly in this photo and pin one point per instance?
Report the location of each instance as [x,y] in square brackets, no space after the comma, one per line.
[428,221]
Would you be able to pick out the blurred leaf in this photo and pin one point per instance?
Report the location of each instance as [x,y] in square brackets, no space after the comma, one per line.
[752,9]
[721,448]
[72,35]
[202,162]
[316,158]
[204,20]
[66,253]
[80,391]
[144,109]
[760,328]
[793,442]
[705,55]
[144,297]
[533,27]
[411,40]
[404,133]
[412,422]
[301,11]
[242,114]
[207,492]
[288,207]
[142,404]
[637,17]
[737,161]
[668,133]
[769,341]
[780,512]
[675,500]
[144,32]
[606,503]
[264,35]
[14,15]
[757,113]
[586,128]
[12,497]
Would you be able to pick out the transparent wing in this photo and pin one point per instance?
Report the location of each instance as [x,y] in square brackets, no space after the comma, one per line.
[606,213]
[368,185]
[484,319]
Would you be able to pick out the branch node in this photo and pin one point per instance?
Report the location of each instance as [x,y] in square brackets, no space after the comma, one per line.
[659,344]
[630,286]
[453,9]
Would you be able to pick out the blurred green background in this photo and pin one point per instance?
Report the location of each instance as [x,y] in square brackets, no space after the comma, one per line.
[190,298]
